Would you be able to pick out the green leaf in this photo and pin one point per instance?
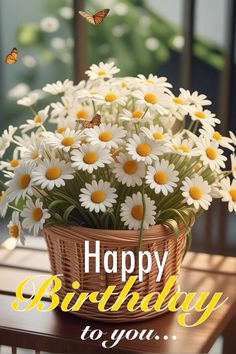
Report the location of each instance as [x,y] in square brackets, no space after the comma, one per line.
[173,225]
[67,213]
[55,203]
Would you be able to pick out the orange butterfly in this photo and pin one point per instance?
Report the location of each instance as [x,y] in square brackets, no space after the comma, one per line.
[95,19]
[95,121]
[11,58]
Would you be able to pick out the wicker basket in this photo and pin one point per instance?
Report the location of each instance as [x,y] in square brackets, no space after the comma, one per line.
[66,253]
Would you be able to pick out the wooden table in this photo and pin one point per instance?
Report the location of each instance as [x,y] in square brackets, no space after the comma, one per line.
[58,332]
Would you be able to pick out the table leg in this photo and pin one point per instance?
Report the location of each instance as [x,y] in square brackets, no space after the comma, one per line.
[229,346]
[13,350]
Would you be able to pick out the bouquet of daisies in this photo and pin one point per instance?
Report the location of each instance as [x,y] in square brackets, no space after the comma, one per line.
[115,153]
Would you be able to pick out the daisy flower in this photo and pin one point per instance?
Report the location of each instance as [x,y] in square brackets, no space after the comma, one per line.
[6,139]
[228,193]
[233,165]
[90,157]
[110,96]
[233,137]
[79,111]
[136,115]
[105,135]
[32,152]
[3,204]
[11,164]
[102,71]
[29,100]
[162,177]
[128,171]
[49,24]
[155,132]
[49,174]
[140,148]
[132,212]
[184,146]
[196,192]
[178,106]
[60,109]
[38,121]
[160,83]
[210,154]
[204,116]
[34,216]
[14,227]
[97,196]
[152,98]
[58,88]
[67,140]
[215,135]
[21,183]
[196,99]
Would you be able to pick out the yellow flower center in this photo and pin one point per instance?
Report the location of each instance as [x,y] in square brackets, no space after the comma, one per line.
[178,100]
[82,114]
[37,214]
[68,141]
[232,193]
[35,155]
[105,136]
[123,84]
[200,114]
[1,195]
[217,136]
[157,135]
[137,212]
[234,167]
[195,192]
[137,114]
[90,157]
[61,129]
[98,196]
[24,181]
[150,98]
[101,72]
[14,231]
[53,173]
[143,149]
[37,119]
[14,163]
[211,153]
[197,167]
[110,97]
[150,81]
[161,177]
[130,167]
[184,148]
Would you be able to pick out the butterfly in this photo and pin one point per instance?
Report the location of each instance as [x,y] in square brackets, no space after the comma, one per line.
[95,121]
[11,58]
[95,19]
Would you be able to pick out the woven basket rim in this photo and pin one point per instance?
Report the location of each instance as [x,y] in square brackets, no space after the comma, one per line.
[154,233]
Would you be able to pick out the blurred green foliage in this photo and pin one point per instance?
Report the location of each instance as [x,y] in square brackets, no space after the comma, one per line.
[133,34]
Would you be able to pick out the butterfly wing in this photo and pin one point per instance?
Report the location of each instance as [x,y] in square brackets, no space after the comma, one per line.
[100,15]
[96,120]
[11,58]
[85,123]
[88,16]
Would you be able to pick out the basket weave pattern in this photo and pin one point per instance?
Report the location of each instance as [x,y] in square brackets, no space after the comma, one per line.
[66,253]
